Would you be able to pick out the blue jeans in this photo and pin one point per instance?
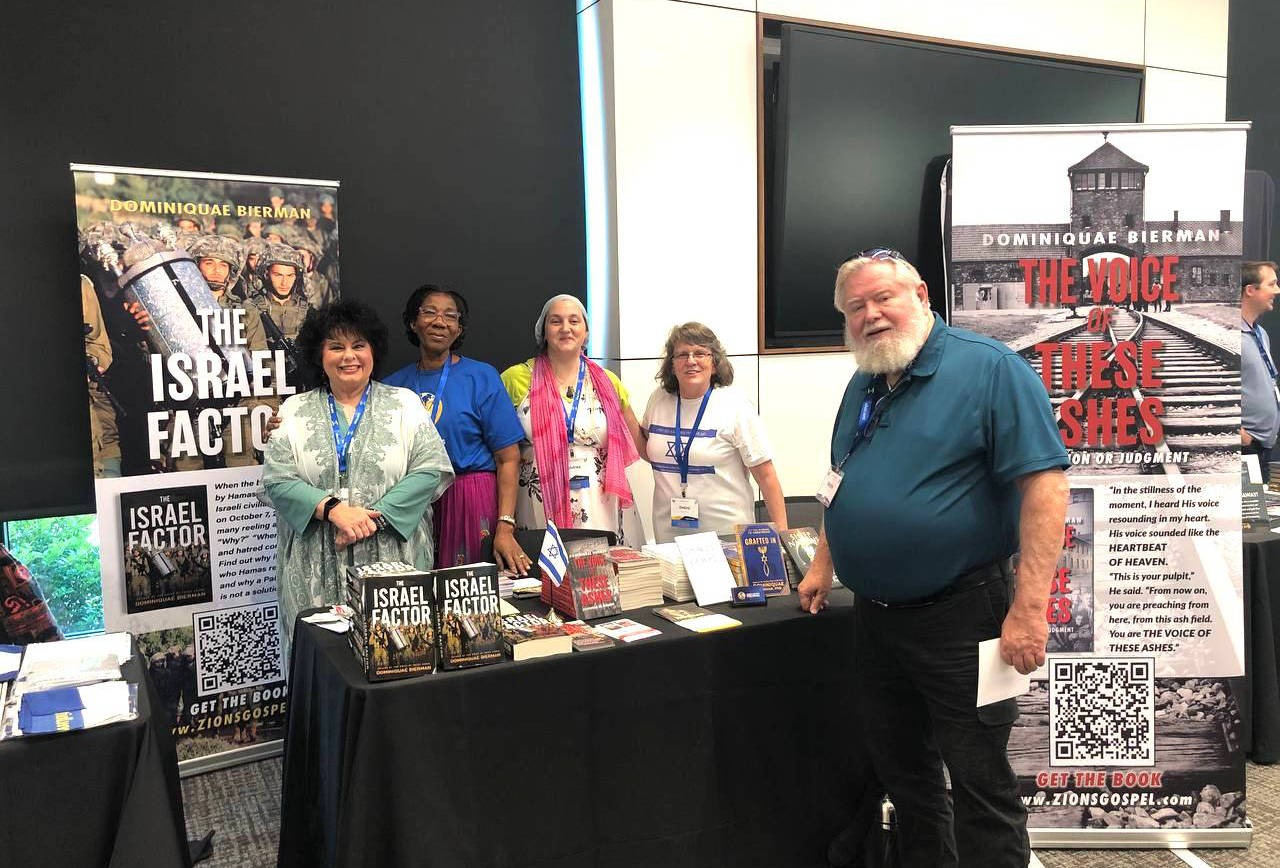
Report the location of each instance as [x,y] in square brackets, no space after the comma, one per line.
[918,671]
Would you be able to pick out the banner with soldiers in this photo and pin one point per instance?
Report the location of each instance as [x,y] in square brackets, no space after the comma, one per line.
[194,287]
[1109,259]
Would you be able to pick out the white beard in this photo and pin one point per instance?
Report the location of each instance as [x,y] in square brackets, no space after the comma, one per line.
[893,351]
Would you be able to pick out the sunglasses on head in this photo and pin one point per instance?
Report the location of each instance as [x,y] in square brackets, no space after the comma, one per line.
[880,253]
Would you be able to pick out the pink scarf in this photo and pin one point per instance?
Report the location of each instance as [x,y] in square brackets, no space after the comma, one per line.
[551,441]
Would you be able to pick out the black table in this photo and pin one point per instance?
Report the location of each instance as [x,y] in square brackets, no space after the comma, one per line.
[730,748]
[107,796]
[1260,700]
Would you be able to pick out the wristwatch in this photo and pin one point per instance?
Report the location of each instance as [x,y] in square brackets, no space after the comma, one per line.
[509,519]
[328,508]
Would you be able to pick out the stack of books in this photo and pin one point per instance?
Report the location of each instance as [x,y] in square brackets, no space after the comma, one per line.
[639,577]
[392,627]
[675,581]
[526,636]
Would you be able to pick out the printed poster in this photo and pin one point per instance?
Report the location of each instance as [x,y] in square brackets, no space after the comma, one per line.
[1109,258]
[193,287]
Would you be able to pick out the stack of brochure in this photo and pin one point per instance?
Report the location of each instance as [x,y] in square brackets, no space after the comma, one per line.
[69,685]
[675,581]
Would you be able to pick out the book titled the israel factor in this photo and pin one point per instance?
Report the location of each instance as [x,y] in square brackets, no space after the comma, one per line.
[165,536]
[763,563]
[468,617]
[392,630]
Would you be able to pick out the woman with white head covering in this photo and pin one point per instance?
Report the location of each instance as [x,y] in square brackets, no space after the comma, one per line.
[580,431]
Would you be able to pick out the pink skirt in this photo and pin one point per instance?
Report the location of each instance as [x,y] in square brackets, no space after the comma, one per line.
[464,518]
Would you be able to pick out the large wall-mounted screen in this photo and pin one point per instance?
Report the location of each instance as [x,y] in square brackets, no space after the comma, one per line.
[856,135]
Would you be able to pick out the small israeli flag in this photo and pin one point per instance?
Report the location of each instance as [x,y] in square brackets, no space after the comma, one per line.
[552,558]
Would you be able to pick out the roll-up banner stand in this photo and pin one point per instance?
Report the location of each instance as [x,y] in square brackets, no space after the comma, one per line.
[193,286]
[1109,258]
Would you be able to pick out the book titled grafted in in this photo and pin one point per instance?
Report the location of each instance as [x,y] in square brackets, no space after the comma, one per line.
[763,565]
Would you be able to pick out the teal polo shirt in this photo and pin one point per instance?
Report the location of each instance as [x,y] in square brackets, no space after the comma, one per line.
[932,494]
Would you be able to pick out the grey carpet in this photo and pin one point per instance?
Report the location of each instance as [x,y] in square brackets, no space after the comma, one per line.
[243,805]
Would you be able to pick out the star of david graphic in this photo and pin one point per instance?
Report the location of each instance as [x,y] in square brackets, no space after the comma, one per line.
[553,551]
[671,449]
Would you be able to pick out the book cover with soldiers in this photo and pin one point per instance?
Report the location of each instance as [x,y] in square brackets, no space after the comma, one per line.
[165,540]
[469,620]
[193,288]
[392,631]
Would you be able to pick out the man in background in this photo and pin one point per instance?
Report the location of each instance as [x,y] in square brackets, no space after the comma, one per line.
[1259,400]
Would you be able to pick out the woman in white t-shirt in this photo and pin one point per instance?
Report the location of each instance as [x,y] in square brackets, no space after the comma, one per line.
[705,442]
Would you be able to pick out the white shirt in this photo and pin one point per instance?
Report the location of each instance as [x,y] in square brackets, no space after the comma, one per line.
[729,440]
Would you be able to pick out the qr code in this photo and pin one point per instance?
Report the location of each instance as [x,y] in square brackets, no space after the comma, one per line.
[237,648]
[1102,711]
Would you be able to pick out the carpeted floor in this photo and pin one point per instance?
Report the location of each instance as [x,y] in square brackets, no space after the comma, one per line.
[243,805]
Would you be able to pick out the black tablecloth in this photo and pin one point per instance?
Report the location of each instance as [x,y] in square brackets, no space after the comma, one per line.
[107,796]
[1260,701]
[729,748]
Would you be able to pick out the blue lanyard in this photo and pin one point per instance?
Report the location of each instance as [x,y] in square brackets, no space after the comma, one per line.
[1262,351]
[869,416]
[682,455]
[444,378]
[571,416]
[342,445]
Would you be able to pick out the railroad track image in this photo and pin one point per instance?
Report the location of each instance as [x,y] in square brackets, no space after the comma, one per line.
[1179,402]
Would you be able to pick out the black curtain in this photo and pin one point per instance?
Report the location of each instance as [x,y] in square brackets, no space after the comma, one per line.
[454,128]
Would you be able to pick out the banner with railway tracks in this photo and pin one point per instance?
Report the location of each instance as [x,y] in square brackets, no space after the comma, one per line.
[1109,258]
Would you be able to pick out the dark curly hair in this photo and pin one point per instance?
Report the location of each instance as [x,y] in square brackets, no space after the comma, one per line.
[418,296]
[344,317]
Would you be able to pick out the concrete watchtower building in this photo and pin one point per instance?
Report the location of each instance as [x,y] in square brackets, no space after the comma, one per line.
[1107,191]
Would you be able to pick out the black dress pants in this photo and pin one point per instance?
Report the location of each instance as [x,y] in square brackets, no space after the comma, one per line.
[918,670]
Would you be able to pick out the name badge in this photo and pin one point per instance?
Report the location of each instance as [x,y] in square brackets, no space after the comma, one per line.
[749,595]
[579,472]
[344,494]
[684,512]
[830,484]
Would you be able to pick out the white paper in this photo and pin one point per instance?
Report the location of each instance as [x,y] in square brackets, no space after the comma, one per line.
[9,661]
[1253,467]
[707,569]
[76,650]
[329,621]
[997,680]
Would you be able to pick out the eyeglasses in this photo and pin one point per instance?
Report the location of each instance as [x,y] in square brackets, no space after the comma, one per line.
[452,317]
[699,356]
[880,253]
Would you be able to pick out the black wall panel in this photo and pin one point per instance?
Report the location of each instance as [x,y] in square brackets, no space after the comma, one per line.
[454,128]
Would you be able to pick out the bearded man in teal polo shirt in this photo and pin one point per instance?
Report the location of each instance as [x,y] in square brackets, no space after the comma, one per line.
[946,461]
